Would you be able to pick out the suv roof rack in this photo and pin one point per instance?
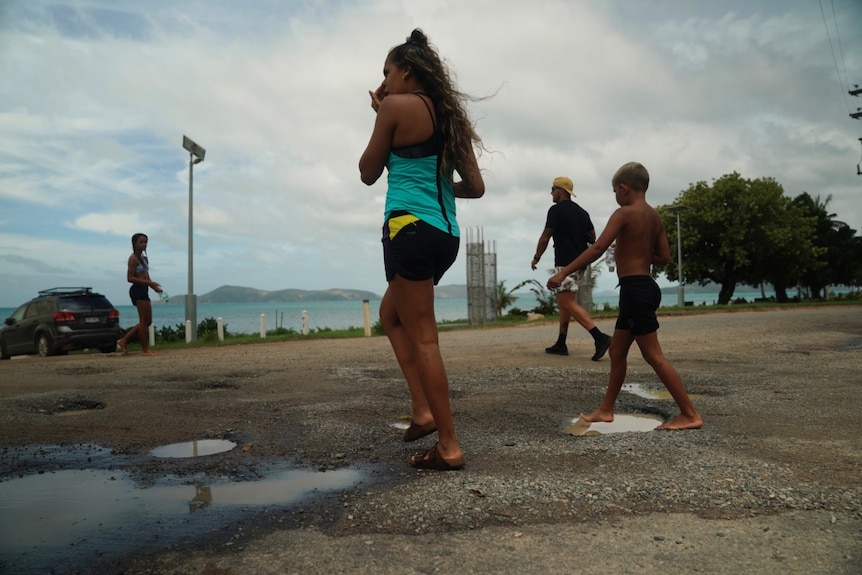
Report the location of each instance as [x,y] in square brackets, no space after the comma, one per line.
[65,290]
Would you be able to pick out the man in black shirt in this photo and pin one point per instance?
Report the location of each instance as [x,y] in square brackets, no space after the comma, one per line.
[570,226]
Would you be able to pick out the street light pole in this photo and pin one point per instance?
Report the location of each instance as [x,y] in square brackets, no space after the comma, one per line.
[196,156]
[681,289]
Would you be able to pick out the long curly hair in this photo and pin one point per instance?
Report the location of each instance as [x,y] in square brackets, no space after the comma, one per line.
[450,103]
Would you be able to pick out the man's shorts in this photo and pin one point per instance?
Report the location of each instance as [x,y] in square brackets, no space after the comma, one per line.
[570,283]
[416,250]
[640,297]
[139,292]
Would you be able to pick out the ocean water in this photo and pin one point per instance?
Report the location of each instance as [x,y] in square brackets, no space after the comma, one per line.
[246,317]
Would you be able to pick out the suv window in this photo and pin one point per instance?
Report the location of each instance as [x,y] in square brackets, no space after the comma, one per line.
[85,303]
[45,307]
[34,309]
[18,314]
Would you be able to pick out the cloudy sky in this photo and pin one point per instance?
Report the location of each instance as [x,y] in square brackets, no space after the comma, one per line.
[96,96]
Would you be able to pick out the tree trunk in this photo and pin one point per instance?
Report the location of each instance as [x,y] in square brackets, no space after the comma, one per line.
[781,293]
[726,293]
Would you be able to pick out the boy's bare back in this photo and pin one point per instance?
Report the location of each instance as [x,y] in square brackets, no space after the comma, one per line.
[641,239]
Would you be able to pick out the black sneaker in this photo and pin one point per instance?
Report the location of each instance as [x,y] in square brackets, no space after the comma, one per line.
[602,345]
[558,349]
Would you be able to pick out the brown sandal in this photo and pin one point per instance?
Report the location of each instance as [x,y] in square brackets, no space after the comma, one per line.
[431,459]
[415,431]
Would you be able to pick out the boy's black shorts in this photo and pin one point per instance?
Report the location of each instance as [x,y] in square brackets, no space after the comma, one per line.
[640,297]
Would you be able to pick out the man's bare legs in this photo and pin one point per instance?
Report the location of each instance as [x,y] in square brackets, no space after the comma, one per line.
[567,301]
[688,417]
[413,303]
[618,353]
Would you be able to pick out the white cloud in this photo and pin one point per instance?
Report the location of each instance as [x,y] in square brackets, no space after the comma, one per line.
[99,93]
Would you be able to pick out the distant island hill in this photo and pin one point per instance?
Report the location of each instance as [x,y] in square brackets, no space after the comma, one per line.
[238,294]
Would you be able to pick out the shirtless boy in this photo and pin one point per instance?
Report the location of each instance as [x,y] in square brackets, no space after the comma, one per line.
[641,241]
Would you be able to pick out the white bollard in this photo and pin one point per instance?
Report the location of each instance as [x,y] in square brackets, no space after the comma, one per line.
[366,314]
[263,326]
[304,322]
[188,331]
[220,328]
[151,330]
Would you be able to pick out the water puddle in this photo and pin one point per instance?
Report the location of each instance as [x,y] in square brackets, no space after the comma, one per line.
[196,448]
[80,518]
[620,424]
[642,390]
[856,344]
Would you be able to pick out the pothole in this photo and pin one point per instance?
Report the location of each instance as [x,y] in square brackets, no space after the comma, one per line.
[216,386]
[642,390]
[68,406]
[855,344]
[620,424]
[84,370]
[89,519]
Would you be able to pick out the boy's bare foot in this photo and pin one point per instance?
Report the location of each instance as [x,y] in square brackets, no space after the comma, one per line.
[122,345]
[148,352]
[579,427]
[682,422]
[598,416]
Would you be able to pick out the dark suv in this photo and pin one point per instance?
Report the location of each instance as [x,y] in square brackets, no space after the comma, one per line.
[60,320]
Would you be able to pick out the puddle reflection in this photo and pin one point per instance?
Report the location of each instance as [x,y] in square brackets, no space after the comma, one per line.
[196,448]
[620,424]
[45,517]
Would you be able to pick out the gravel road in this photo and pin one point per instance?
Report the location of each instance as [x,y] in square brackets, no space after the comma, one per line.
[772,484]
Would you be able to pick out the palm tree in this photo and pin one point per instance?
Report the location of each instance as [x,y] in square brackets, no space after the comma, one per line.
[503,298]
[587,285]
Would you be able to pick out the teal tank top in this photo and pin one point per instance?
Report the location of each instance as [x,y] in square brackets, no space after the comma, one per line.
[416,186]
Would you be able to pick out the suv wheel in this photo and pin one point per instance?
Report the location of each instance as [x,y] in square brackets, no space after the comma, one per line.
[44,347]
[3,353]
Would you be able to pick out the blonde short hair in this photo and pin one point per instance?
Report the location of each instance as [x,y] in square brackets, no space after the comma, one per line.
[632,174]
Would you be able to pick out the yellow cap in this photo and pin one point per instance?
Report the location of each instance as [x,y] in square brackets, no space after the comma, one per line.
[565,183]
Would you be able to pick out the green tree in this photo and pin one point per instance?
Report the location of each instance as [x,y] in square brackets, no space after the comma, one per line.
[738,231]
[840,260]
[503,298]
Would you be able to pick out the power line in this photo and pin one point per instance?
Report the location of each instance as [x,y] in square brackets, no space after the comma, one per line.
[840,47]
[832,49]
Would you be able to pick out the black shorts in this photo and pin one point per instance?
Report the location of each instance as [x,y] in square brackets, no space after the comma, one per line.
[139,292]
[418,251]
[640,297]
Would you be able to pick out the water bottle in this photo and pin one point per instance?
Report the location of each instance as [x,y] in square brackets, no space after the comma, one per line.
[609,259]
[165,296]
